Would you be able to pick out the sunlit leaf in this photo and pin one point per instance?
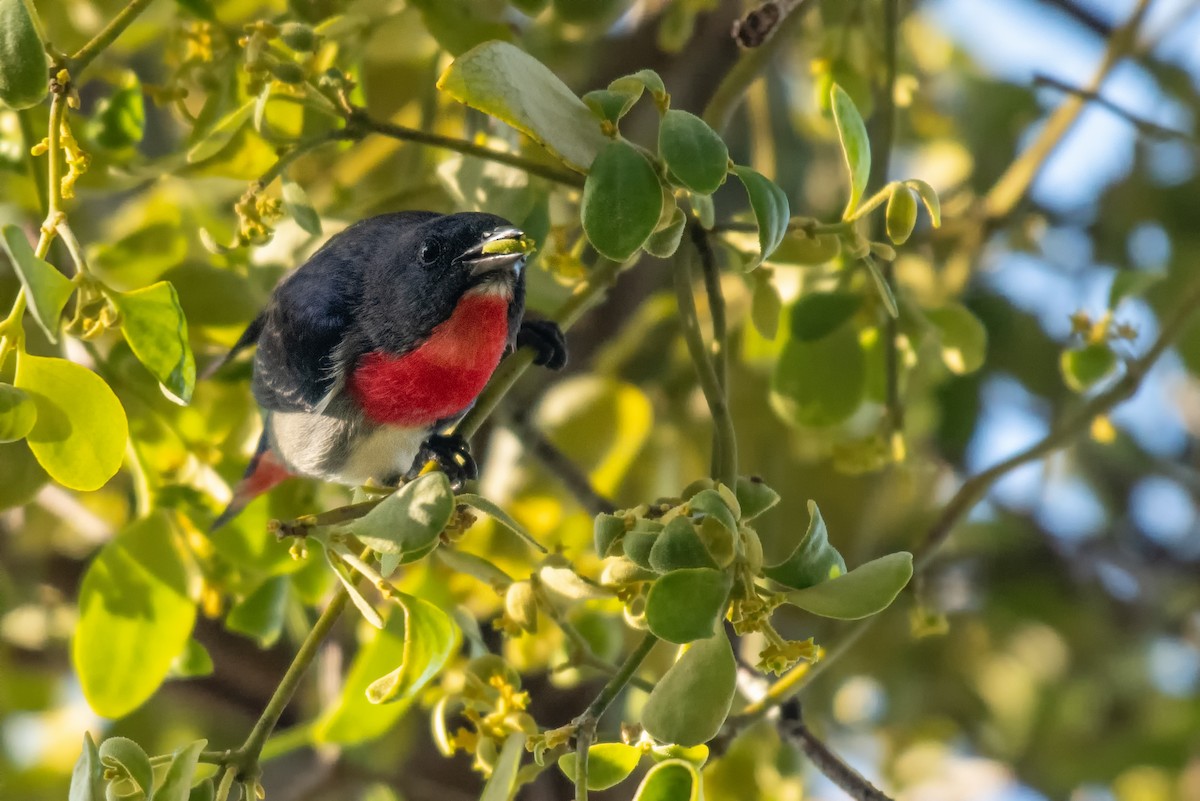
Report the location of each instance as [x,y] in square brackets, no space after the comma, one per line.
[500,785]
[771,211]
[674,780]
[195,661]
[87,778]
[120,119]
[856,146]
[502,80]
[24,80]
[864,591]
[691,701]
[299,207]
[350,585]
[609,764]
[798,247]
[81,430]
[901,215]
[929,197]
[410,519]
[686,605]
[457,24]
[820,383]
[622,201]
[204,791]
[128,761]
[221,134]
[135,617]
[46,288]
[963,337]
[153,324]
[694,153]
[260,614]
[430,639]
[17,414]
[813,561]
[766,306]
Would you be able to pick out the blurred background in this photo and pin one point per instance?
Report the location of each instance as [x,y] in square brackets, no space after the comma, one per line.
[1052,651]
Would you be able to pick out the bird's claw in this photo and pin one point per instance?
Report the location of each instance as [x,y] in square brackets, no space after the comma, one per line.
[452,453]
[547,340]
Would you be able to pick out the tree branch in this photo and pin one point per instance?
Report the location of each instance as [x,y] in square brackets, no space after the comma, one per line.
[86,54]
[560,466]
[791,726]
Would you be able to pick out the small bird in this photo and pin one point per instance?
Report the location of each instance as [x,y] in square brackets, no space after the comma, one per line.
[381,341]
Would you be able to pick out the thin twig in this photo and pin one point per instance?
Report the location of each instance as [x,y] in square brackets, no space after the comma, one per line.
[86,54]
[586,723]
[716,308]
[724,435]
[791,726]
[1145,126]
[560,466]
[881,150]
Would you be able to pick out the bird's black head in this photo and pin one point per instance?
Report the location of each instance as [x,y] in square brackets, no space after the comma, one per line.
[421,264]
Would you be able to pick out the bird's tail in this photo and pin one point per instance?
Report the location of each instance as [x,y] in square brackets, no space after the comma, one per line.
[265,471]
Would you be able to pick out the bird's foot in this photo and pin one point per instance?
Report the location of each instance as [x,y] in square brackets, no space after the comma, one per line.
[547,340]
[452,453]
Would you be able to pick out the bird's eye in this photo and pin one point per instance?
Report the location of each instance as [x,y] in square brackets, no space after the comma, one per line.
[431,250]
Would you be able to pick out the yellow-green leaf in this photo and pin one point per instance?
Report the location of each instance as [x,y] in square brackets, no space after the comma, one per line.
[120,119]
[901,215]
[1085,367]
[17,414]
[691,701]
[963,337]
[260,614]
[156,330]
[47,289]
[430,639]
[81,430]
[673,780]
[622,201]
[864,591]
[929,197]
[823,382]
[501,783]
[135,617]
[176,784]
[410,519]
[818,314]
[856,146]
[609,764]
[504,81]
[300,209]
[24,68]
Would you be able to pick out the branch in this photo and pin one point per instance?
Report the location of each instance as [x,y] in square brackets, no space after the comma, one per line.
[1145,126]
[86,54]
[560,466]
[359,124]
[1012,185]
[733,86]
[724,435]
[791,726]
[719,349]
[586,723]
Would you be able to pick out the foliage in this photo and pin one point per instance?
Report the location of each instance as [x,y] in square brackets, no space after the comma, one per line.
[817,325]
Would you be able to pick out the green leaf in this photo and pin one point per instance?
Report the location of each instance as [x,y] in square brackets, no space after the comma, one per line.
[430,638]
[678,546]
[47,289]
[755,497]
[963,338]
[589,12]
[195,661]
[81,431]
[351,586]
[457,25]
[691,701]
[87,778]
[665,241]
[864,591]
[611,105]
[638,543]
[901,215]
[606,531]
[135,617]
[609,764]
[674,780]
[766,305]
[686,605]
[500,516]
[798,247]
[409,519]
[929,197]
[1132,283]
[644,79]
[24,68]
[260,614]
[129,762]
[813,561]
[153,324]
[1082,369]
[17,414]
[221,135]
[204,791]
[622,201]
[882,286]
[818,314]
[696,755]
[506,82]
[500,784]
[693,151]
[177,781]
[119,121]
[856,146]
[820,383]
[299,208]
[771,211]
[20,475]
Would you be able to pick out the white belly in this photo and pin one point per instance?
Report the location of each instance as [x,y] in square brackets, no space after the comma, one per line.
[335,449]
[387,452]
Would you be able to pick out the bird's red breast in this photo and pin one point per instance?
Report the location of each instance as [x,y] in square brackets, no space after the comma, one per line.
[441,377]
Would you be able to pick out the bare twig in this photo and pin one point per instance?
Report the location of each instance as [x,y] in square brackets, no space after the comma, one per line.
[1145,126]
[791,726]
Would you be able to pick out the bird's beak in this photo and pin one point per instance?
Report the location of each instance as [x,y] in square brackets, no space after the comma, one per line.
[502,249]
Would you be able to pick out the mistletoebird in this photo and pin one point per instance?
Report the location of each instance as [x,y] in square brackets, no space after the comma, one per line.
[380,342]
